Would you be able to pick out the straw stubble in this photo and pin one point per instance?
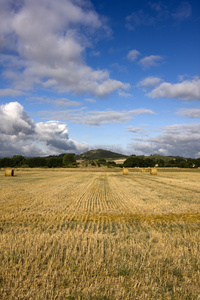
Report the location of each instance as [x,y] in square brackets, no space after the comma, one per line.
[97,235]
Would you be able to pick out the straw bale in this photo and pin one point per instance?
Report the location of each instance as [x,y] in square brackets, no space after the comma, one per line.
[125,171]
[153,171]
[9,172]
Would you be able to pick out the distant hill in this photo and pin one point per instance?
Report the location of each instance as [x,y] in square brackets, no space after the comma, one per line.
[109,155]
[99,154]
[117,157]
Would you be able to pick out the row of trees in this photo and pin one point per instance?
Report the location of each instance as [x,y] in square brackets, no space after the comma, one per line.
[142,161]
[69,160]
[139,161]
[50,162]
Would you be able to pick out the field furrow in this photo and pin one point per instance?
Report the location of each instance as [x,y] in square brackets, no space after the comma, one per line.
[146,195]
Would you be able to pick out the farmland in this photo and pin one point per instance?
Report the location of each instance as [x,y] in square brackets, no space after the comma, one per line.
[96,234]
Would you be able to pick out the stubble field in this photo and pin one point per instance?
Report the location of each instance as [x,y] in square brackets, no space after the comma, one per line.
[96,234]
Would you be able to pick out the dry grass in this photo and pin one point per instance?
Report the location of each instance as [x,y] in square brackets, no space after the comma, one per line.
[99,235]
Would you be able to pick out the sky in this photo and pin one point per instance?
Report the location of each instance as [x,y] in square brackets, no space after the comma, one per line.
[77,75]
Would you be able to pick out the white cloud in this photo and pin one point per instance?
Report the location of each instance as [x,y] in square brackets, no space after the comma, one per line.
[57,102]
[135,130]
[14,120]
[124,94]
[150,61]
[50,38]
[12,145]
[65,102]
[189,112]
[108,86]
[181,140]
[97,118]
[19,134]
[133,55]
[186,90]
[54,136]
[149,82]
[10,92]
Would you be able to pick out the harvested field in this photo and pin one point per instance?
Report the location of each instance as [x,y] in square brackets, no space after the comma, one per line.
[81,234]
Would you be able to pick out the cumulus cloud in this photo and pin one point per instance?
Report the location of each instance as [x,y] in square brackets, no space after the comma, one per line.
[54,136]
[14,120]
[189,112]
[145,62]
[150,61]
[19,134]
[182,140]
[133,55]
[185,90]
[149,82]
[124,94]
[12,145]
[109,86]
[49,39]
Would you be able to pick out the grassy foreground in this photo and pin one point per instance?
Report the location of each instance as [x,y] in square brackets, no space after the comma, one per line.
[71,234]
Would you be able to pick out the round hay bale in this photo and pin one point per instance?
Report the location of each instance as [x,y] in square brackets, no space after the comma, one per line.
[153,171]
[9,172]
[125,171]
[143,170]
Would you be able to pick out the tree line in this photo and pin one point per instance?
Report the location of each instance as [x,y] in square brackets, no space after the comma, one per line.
[69,160]
[142,162]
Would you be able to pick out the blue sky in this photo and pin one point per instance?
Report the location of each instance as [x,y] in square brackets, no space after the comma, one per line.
[117,75]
